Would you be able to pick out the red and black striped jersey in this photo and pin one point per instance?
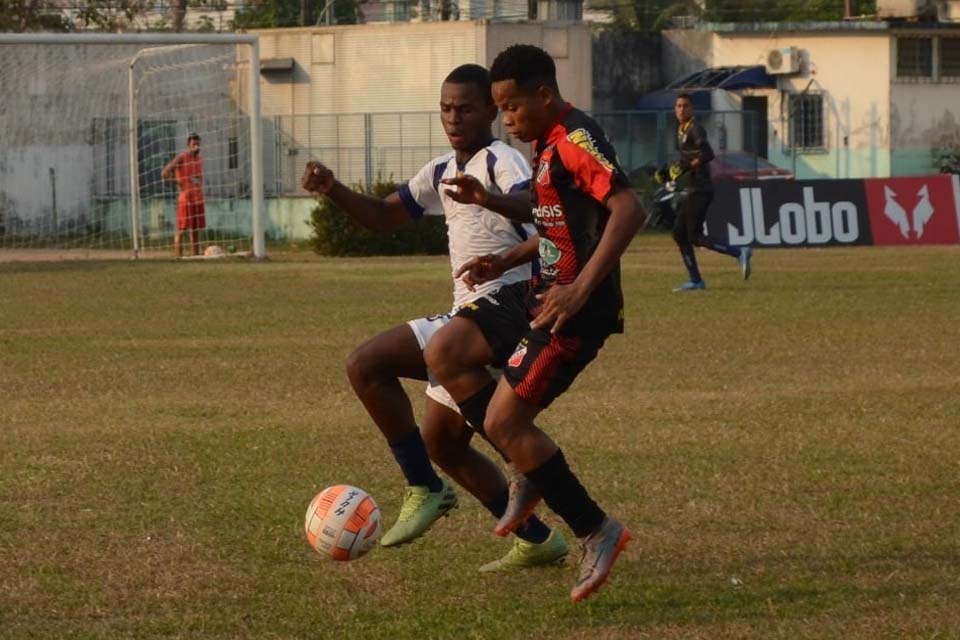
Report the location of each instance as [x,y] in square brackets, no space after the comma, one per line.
[575,171]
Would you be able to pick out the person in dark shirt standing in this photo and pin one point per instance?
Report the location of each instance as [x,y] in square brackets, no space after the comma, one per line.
[695,188]
[586,215]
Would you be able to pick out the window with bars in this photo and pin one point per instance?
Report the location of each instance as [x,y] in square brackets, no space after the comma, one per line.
[914,57]
[950,57]
[806,121]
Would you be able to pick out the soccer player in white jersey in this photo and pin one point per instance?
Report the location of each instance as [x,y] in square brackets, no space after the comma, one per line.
[495,309]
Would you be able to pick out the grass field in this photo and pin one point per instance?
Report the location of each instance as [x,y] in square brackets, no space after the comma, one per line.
[786,451]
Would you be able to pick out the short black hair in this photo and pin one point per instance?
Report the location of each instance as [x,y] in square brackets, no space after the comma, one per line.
[526,65]
[472,74]
[192,137]
[685,96]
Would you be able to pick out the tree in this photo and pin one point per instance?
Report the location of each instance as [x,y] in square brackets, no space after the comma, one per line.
[30,15]
[654,15]
[783,11]
[266,14]
[647,15]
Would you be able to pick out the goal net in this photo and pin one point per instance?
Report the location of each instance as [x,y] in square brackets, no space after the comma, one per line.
[94,155]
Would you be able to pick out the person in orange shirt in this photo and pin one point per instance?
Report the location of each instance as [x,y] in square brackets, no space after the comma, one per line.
[187,169]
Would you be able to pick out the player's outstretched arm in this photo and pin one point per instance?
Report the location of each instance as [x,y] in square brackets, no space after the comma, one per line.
[482,269]
[561,302]
[468,190]
[379,216]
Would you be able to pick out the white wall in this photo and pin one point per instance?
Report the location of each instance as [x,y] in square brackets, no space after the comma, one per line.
[383,69]
[924,117]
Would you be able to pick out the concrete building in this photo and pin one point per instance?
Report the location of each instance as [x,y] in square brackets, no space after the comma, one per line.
[364,98]
[850,99]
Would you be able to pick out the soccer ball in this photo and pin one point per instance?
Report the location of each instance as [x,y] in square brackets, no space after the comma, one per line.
[213,251]
[343,522]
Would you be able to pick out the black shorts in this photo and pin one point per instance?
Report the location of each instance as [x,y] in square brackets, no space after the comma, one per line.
[545,364]
[501,317]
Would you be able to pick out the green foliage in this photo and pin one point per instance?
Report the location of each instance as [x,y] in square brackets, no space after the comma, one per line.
[655,15]
[645,15]
[783,11]
[266,14]
[336,234]
[19,17]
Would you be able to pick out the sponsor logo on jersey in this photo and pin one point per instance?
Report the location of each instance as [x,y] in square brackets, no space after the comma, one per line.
[548,211]
[517,356]
[583,139]
[549,253]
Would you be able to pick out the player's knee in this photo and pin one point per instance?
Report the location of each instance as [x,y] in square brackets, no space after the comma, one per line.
[360,368]
[679,235]
[440,355]
[498,431]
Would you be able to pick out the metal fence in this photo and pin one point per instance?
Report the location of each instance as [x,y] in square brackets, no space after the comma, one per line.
[363,148]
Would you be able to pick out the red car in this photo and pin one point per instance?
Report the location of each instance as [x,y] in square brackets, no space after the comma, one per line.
[745,165]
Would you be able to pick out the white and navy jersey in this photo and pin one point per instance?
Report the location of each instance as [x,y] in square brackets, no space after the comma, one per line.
[472,230]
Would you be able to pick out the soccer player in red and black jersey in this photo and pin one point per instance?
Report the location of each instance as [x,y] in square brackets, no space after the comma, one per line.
[586,216]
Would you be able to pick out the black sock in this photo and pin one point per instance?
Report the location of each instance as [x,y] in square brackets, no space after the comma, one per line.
[690,262]
[474,408]
[532,530]
[720,248]
[411,455]
[564,494]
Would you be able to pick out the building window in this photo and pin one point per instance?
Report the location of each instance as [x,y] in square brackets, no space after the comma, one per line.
[950,57]
[914,57]
[233,152]
[806,121]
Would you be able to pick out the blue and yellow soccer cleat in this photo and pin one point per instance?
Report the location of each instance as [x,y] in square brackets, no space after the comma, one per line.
[420,509]
[524,555]
[692,286]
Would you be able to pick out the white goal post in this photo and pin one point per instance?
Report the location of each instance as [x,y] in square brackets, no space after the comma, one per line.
[89,124]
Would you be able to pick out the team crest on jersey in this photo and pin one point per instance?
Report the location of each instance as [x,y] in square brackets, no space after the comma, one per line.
[583,139]
[517,356]
[549,252]
[543,173]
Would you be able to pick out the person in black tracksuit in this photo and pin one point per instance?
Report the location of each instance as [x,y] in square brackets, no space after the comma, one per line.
[695,190]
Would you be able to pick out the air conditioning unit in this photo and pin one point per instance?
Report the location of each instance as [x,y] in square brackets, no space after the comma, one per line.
[783,60]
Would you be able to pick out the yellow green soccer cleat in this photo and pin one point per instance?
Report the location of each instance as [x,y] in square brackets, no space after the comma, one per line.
[524,555]
[420,509]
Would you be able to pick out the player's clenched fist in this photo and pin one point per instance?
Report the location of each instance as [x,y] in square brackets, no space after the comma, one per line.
[317,178]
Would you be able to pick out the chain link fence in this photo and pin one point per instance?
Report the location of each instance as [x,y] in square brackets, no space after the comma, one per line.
[363,148]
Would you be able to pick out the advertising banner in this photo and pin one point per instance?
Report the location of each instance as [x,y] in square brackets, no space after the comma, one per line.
[821,213]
